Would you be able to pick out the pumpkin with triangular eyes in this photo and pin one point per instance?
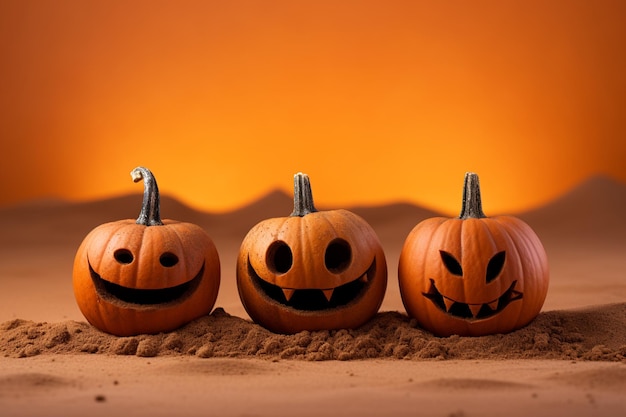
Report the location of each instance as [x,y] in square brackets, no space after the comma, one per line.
[473,275]
[312,270]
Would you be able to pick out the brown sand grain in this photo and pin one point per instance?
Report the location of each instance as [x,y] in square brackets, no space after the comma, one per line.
[596,333]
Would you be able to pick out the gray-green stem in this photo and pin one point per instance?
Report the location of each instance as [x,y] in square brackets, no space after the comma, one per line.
[149,215]
[302,196]
[472,204]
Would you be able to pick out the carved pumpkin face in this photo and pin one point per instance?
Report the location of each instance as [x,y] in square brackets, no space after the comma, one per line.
[145,276]
[312,270]
[473,275]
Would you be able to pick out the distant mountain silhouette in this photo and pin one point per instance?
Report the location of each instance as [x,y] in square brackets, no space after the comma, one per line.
[276,203]
[594,210]
[45,221]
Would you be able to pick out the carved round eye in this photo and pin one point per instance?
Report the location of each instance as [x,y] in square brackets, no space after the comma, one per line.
[452,265]
[123,256]
[168,259]
[338,256]
[496,263]
[279,258]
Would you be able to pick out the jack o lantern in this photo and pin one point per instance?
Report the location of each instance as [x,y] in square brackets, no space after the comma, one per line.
[145,276]
[473,275]
[313,270]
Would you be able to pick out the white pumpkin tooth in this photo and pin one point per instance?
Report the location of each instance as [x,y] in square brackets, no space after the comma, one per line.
[328,293]
[493,305]
[288,293]
[448,302]
[475,308]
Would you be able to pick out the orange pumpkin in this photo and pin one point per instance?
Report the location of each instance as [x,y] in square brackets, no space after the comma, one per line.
[473,275]
[145,276]
[312,270]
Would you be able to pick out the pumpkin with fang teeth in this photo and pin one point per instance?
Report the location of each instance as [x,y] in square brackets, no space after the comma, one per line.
[146,275]
[313,270]
[473,275]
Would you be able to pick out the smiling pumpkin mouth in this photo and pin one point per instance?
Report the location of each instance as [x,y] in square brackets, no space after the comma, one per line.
[470,311]
[123,296]
[313,299]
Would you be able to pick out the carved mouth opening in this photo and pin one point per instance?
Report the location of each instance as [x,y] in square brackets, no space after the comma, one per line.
[315,299]
[121,295]
[472,311]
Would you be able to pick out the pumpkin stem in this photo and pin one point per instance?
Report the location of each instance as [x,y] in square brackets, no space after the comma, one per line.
[472,204]
[302,196]
[149,215]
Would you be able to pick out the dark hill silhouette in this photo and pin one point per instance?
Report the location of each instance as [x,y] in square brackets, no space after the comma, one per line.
[593,210]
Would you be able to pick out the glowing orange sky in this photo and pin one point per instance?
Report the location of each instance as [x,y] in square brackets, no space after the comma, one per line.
[377,101]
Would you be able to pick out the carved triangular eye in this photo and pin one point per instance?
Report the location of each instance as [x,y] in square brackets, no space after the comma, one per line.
[451,263]
[496,263]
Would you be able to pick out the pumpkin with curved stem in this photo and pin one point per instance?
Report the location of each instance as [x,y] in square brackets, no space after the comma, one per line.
[312,270]
[473,275]
[146,275]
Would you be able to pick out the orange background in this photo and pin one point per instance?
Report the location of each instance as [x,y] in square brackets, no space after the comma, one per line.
[377,101]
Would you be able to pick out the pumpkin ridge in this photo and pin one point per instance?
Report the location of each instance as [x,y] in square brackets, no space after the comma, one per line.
[116,226]
[181,243]
[514,240]
[523,266]
[307,237]
[530,249]
[335,233]
[256,234]
[487,231]
[511,239]
[357,222]
[435,230]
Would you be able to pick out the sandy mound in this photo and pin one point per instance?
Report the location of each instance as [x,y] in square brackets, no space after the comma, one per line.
[597,333]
